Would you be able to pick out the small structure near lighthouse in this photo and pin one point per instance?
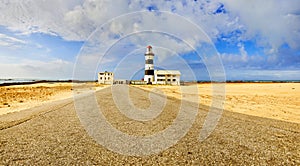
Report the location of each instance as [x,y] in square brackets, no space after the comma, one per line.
[149,66]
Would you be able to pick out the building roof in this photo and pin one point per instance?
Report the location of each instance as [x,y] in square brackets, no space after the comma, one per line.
[163,72]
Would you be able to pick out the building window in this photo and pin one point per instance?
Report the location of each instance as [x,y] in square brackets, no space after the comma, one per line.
[160,75]
[174,75]
[100,78]
[169,79]
[174,79]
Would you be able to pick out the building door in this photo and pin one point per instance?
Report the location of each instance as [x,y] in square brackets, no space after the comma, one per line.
[149,81]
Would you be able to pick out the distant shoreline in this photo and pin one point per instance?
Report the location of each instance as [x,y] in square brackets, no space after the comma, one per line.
[40,81]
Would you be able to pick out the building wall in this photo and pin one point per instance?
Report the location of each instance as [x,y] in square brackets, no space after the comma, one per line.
[167,79]
[105,78]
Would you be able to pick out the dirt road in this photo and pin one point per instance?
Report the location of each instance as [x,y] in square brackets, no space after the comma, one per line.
[52,134]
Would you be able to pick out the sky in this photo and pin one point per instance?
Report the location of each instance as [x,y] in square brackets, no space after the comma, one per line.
[204,39]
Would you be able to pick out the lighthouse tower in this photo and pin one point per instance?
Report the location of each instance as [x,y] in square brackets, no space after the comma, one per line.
[149,66]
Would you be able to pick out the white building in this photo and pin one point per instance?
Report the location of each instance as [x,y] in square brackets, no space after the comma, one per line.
[105,77]
[167,77]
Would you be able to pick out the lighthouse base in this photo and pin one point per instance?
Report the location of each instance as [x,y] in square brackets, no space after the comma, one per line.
[149,79]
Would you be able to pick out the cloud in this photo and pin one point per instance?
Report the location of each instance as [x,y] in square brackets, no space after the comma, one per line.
[76,20]
[55,69]
[263,74]
[272,23]
[29,17]
[283,59]
[9,41]
[269,24]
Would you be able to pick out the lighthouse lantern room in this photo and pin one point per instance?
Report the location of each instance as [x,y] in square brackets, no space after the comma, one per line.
[149,66]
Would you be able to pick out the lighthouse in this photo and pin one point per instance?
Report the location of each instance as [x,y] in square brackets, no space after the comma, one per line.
[149,66]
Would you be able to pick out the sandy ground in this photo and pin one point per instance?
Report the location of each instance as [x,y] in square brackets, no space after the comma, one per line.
[51,134]
[280,101]
[19,97]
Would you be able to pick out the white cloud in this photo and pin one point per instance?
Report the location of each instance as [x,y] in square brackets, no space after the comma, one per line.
[55,69]
[35,16]
[272,23]
[276,22]
[263,74]
[11,42]
[243,52]
[76,20]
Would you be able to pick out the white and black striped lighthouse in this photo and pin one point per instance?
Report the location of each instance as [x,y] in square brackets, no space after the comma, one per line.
[149,66]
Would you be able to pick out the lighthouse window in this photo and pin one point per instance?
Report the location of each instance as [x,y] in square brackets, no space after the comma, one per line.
[149,61]
[149,72]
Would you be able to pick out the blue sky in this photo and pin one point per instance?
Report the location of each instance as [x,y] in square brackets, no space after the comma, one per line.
[55,39]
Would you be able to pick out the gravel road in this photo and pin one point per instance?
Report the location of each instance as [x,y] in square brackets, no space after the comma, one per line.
[53,135]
